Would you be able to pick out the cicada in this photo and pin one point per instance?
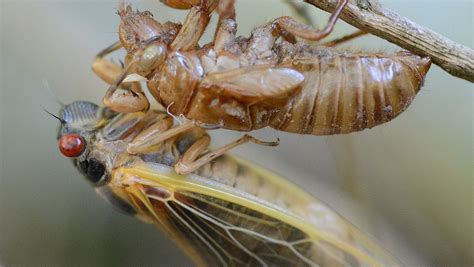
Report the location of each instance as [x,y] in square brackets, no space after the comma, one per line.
[229,212]
[273,78]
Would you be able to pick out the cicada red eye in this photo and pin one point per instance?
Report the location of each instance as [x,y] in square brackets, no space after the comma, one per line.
[72,145]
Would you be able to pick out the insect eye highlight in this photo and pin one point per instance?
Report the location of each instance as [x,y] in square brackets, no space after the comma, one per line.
[72,145]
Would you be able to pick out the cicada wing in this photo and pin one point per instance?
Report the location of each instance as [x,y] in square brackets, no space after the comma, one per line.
[215,224]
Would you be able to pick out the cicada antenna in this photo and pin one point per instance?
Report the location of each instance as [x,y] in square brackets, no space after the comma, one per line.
[63,122]
[48,88]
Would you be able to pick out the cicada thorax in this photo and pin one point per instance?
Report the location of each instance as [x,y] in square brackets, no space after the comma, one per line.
[348,92]
[186,87]
[221,90]
[174,83]
[126,128]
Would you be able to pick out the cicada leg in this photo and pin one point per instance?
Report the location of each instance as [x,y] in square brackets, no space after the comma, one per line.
[264,37]
[156,134]
[181,4]
[226,26]
[131,100]
[301,30]
[193,158]
[105,69]
[225,8]
[344,39]
[194,25]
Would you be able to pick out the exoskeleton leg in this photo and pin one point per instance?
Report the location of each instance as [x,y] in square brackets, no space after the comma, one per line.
[105,69]
[290,25]
[194,26]
[344,39]
[262,41]
[226,9]
[132,99]
[193,158]
[226,27]
[181,4]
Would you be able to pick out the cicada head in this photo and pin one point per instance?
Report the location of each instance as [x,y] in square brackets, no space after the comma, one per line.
[79,122]
[96,140]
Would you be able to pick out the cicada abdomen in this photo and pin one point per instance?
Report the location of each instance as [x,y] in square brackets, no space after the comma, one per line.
[344,92]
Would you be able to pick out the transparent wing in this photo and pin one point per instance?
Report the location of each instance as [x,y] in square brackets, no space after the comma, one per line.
[218,225]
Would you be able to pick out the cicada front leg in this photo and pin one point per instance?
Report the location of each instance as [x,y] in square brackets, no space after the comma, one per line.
[290,25]
[132,99]
[194,25]
[226,26]
[181,4]
[156,134]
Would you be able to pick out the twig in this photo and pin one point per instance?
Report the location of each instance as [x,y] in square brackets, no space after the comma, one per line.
[371,17]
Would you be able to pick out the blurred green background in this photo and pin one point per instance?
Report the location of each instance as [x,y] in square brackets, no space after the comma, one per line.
[407,183]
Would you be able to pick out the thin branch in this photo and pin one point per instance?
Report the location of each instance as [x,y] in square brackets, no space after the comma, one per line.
[371,17]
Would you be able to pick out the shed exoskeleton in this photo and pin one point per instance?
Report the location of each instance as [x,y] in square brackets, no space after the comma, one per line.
[229,212]
[270,79]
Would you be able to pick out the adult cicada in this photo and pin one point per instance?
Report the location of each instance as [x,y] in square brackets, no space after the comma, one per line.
[273,78]
[227,213]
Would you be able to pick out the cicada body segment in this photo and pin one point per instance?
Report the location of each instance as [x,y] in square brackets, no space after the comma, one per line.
[348,92]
